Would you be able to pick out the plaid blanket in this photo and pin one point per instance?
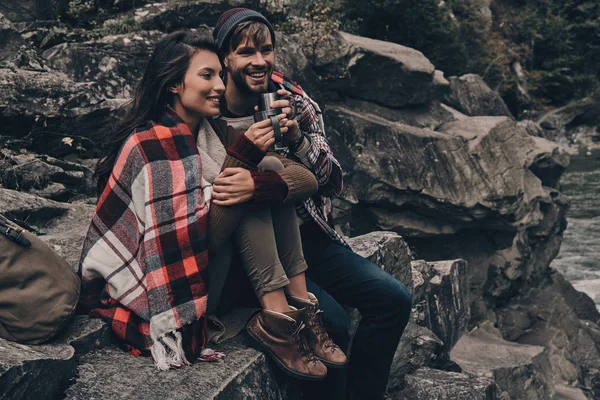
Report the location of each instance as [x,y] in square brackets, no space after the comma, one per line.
[145,256]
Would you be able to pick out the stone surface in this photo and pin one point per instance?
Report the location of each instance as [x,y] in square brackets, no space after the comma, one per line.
[55,115]
[34,372]
[387,250]
[30,10]
[442,300]
[244,373]
[45,177]
[430,116]
[85,334]
[380,72]
[576,122]
[520,371]
[115,62]
[471,190]
[471,95]
[427,383]
[419,347]
[549,316]
[63,225]
[10,40]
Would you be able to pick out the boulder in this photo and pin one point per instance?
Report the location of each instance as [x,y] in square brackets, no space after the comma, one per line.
[549,316]
[10,40]
[576,122]
[62,225]
[245,373]
[520,371]
[431,115]
[471,95]
[42,175]
[34,372]
[49,113]
[116,62]
[472,190]
[31,10]
[418,348]
[85,335]
[381,72]
[387,250]
[427,383]
[442,300]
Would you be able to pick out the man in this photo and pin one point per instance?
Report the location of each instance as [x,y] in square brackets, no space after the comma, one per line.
[337,275]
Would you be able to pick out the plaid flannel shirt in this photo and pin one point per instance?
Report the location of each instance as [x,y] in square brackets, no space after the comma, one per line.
[145,255]
[318,158]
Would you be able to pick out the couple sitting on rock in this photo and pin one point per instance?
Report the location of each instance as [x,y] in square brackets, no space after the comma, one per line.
[192,181]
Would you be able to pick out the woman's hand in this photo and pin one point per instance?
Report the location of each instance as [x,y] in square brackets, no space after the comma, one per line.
[233,186]
[261,133]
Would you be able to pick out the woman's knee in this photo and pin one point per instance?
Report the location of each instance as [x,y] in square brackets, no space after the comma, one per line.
[270,163]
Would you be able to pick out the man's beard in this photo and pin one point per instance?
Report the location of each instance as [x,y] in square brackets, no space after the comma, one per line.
[238,79]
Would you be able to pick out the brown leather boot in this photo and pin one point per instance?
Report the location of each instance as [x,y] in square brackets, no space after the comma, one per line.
[318,340]
[282,336]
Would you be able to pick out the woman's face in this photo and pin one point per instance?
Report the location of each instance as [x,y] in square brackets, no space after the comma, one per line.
[202,87]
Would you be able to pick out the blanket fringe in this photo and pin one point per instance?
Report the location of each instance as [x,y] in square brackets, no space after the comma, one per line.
[167,351]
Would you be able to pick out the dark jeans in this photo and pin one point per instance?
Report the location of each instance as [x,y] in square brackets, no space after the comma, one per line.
[337,276]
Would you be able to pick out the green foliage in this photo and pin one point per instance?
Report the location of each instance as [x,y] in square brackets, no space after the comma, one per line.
[119,26]
[558,42]
[79,7]
[317,21]
[425,25]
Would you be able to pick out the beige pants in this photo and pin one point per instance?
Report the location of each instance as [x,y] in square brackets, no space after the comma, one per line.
[268,240]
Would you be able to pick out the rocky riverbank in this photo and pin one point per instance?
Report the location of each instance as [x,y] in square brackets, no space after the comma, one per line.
[444,189]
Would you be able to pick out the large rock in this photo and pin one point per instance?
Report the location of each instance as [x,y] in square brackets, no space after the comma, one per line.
[34,372]
[116,63]
[53,114]
[45,176]
[418,348]
[244,373]
[576,122]
[387,250]
[520,371]
[380,72]
[472,190]
[549,316]
[427,383]
[63,225]
[32,10]
[442,299]
[10,40]
[472,96]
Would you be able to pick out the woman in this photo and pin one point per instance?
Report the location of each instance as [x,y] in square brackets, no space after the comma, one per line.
[144,261]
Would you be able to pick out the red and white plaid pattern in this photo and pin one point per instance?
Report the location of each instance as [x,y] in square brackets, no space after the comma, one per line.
[145,254]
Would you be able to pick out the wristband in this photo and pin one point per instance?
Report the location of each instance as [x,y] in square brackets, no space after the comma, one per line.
[296,143]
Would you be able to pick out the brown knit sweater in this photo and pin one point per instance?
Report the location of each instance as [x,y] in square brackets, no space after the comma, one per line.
[295,182]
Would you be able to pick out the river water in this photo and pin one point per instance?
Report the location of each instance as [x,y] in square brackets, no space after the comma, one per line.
[579,257]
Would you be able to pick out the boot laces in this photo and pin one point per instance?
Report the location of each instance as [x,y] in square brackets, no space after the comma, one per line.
[317,322]
[300,342]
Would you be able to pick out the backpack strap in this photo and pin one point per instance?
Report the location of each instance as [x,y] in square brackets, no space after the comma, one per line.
[280,79]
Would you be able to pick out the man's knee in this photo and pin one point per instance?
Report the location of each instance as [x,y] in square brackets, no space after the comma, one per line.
[396,303]
[270,163]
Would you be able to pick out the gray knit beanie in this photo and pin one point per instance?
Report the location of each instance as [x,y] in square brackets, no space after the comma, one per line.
[231,18]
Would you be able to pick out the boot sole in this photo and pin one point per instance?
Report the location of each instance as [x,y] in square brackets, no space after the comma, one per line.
[285,369]
[330,365]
